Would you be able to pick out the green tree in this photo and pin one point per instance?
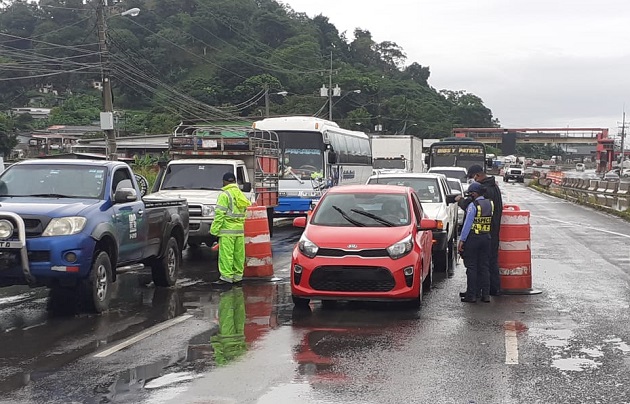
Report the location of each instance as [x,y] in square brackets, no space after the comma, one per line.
[8,140]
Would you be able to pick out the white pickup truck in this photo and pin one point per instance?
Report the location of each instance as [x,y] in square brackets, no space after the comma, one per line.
[200,155]
[514,172]
[438,203]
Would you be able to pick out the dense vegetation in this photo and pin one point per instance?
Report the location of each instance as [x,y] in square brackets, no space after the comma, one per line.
[213,60]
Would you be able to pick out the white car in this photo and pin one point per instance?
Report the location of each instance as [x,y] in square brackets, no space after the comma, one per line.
[460,173]
[438,202]
[580,167]
[457,187]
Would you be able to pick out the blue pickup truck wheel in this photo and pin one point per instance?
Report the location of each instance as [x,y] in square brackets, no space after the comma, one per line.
[98,285]
[166,268]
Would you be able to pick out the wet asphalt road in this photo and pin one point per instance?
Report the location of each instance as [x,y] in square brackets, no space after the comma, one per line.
[571,343]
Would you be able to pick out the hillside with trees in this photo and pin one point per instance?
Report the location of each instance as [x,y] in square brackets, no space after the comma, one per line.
[214,60]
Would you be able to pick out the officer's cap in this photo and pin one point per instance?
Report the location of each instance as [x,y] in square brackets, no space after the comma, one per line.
[474,169]
[477,188]
[229,177]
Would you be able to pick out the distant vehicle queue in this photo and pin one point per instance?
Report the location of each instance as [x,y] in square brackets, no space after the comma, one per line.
[100,223]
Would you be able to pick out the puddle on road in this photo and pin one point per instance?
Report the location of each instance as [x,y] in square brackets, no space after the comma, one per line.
[575,364]
[243,316]
[562,342]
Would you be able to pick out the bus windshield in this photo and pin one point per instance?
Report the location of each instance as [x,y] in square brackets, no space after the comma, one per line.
[302,155]
[457,155]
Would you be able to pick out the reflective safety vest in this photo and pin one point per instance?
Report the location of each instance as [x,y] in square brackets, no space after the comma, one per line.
[482,222]
[229,215]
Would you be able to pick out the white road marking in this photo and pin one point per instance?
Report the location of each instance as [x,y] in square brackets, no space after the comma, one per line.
[144,334]
[581,225]
[511,343]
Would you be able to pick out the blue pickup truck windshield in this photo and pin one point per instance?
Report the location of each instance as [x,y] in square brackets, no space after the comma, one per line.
[59,181]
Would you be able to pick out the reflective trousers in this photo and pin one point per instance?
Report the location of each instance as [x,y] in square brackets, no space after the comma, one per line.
[231,258]
[229,342]
[477,261]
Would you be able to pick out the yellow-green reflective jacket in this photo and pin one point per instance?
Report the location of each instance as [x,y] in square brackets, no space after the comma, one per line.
[229,215]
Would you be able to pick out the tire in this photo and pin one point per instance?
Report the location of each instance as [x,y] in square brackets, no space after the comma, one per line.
[428,281]
[417,303]
[300,302]
[450,261]
[166,269]
[440,260]
[97,288]
[270,219]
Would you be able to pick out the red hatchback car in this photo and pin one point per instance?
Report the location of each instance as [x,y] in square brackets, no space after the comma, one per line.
[363,243]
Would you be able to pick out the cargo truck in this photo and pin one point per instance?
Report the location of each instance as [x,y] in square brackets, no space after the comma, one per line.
[397,153]
[200,155]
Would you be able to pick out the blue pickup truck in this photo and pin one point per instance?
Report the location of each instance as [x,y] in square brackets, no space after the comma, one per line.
[69,224]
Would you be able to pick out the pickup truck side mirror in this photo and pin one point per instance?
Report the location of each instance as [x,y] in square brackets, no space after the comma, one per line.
[246,187]
[124,195]
[450,198]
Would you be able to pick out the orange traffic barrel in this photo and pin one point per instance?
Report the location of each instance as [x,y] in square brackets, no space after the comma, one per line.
[258,256]
[515,253]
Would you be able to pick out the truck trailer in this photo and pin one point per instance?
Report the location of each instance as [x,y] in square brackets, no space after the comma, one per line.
[397,153]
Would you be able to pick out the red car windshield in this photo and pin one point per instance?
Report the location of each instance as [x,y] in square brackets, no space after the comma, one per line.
[362,210]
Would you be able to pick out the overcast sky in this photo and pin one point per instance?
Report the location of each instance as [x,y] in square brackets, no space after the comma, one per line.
[534,63]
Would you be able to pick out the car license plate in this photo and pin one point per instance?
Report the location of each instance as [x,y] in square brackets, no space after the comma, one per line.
[10,244]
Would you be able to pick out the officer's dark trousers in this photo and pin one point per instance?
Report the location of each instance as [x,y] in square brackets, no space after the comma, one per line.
[476,259]
[495,278]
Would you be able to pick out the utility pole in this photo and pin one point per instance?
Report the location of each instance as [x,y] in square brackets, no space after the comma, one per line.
[330,90]
[107,116]
[623,136]
[266,100]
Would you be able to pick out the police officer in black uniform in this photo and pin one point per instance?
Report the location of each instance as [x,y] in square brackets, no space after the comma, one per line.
[474,244]
[493,193]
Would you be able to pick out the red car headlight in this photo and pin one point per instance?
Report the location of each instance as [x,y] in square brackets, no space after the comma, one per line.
[401,248]
[307,247]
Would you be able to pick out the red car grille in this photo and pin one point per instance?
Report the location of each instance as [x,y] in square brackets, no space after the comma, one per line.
[335,252]
[342,278]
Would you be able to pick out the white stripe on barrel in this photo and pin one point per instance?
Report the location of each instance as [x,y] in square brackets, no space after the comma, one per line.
[523,245]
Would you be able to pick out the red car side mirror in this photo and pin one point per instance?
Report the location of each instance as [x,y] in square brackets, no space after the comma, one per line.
[299,221]
[427,224]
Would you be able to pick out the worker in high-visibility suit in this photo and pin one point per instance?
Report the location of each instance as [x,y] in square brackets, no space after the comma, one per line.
[229,342]
[229,226]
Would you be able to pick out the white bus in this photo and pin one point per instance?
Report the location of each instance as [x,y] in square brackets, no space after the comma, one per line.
[315,154]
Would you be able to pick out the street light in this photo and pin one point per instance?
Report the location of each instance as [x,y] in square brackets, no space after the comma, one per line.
[132,12]
[107,116]
[282,93]
[334,92]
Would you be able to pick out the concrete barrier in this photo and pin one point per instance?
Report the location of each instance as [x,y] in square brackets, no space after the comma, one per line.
[611,194]
[612,187]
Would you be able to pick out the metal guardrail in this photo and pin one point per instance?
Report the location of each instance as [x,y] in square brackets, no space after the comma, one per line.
[612,194]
